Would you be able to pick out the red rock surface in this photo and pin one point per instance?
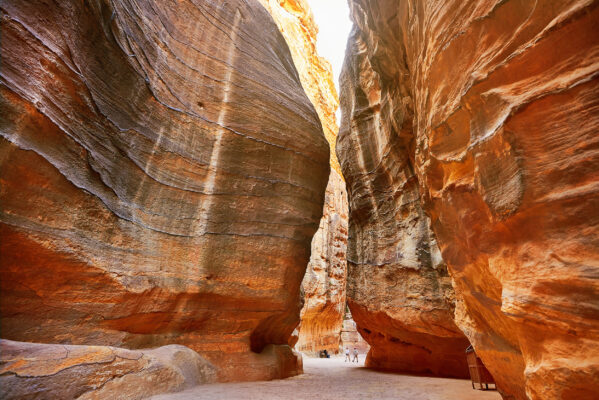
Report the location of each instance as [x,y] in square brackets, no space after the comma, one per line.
[162,175]
[324,282]
[55,371]
[398,289]
[485,113]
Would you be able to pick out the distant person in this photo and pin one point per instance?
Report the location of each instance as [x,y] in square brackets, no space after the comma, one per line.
[347,354]
[326,354]
[355,355]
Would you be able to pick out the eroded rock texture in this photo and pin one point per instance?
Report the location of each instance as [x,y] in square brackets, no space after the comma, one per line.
[55,371]
[324,282]
[325,279]
[484,114]
[398,290]
[163,173]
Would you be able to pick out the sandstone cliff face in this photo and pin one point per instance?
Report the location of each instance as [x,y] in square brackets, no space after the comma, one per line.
[484,115]
[324,282]
[55,371]
[162,176]
[398,290]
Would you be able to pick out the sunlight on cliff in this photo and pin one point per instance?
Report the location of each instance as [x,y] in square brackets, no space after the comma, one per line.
[334,25]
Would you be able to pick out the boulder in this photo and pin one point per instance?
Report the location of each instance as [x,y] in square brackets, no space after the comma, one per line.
[56,371]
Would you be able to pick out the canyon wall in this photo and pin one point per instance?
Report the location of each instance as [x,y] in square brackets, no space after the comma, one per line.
[324,282]
[470,128]
[398,289]
[162,176]
[296,23]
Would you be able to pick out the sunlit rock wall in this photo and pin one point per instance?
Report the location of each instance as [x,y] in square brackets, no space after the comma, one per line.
[162,175]
[296,23]
[324,283]
[485,114]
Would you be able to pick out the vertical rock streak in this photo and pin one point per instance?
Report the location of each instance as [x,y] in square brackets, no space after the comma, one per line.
[222,119]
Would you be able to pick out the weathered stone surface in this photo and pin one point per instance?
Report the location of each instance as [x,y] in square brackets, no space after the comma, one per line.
[398,290]
[490,110]
[162,175]
[324,282]
[55,371]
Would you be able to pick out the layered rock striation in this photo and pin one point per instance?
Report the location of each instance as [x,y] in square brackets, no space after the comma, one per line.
[398,289]
[478,119]
[324,282]
[162,175]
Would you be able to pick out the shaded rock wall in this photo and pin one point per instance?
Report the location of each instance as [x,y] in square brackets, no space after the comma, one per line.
[324,282]
[51,371]
[484,115]
[163,173]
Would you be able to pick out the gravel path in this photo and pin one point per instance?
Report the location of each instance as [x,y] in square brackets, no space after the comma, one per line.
[335,379]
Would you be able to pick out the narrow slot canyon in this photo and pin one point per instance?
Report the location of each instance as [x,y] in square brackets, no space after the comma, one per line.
[197,200]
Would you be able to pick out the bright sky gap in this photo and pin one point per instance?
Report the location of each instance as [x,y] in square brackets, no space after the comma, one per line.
[334,25]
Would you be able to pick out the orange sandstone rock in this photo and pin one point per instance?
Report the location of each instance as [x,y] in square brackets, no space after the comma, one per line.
[490,110]
[56,371]
[324,282]
[162,175]
[398,289]
[296,23]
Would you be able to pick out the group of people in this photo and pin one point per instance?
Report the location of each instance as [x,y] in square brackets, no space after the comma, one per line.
[355,358]
[325,354]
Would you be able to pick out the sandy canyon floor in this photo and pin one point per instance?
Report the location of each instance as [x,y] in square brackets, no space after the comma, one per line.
[335,379]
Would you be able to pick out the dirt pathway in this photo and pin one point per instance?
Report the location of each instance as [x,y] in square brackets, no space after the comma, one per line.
[334,379]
